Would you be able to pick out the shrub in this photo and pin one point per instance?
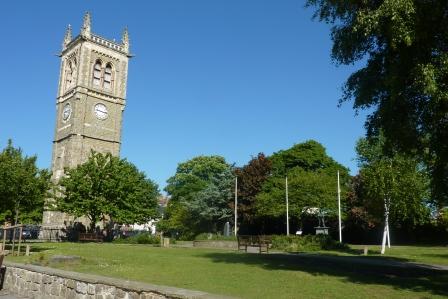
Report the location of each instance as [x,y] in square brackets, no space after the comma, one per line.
[306,243]
[143,238]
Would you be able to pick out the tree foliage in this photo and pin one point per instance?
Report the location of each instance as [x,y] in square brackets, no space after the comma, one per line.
[250,181]
[107,186]
[399,178]
[199,192]
[23,186]
[360,220]
[405,79]
[312,181]
[306,189]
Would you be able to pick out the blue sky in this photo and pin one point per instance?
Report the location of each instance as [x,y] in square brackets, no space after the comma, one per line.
[232,78]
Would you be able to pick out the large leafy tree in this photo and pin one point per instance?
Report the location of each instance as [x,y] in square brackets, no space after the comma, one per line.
[23,187]
[405,79]
[394,185]
[398,179]
[312,181]
[360,218]
[108,187]
[250,181]
[199,192]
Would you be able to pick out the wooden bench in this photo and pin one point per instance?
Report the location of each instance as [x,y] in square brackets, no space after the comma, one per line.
[90,237]
[261,241]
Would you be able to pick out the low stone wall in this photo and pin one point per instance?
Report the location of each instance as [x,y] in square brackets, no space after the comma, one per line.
[48,283]
[215,244]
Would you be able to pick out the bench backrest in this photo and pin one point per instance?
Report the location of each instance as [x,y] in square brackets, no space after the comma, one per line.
[244,240]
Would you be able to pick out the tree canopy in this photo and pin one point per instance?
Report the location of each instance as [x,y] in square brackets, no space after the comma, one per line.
[23,186]
[398,178]
[199,192]
[312,180]
[107,186]
[251,178]
[405,78]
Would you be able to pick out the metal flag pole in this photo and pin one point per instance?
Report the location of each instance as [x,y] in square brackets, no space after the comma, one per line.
[236,204]
[339,209]
[287,208]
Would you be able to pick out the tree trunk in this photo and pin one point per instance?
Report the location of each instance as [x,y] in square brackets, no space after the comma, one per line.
[386,236]
[383,244]
[92,224]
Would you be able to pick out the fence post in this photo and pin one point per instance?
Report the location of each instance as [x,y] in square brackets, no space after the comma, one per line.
[4,238]
[20,240]
[13,240]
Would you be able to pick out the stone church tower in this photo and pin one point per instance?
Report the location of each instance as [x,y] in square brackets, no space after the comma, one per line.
[90,102]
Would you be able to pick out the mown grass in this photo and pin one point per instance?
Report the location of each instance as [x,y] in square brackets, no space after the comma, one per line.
[253,275]
[436,255]
[431,255]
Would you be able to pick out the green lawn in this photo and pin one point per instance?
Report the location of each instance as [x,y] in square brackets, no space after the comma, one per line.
[256,276]
[433,255]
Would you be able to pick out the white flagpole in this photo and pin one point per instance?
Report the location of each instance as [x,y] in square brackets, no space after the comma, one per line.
[287,208]
[339,209]
[236,205]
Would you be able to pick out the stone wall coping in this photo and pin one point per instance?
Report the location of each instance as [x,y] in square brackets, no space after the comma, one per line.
[129,285]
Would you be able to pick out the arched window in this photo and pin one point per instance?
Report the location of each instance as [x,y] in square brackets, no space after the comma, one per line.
[108,77]
[97,73]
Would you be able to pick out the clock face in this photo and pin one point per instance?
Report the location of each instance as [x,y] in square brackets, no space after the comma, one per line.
[66,112]
[100,111]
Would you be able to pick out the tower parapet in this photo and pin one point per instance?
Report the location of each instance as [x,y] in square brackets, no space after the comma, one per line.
[87,34]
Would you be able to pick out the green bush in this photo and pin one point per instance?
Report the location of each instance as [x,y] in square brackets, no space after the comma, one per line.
[306,243]
[144,238]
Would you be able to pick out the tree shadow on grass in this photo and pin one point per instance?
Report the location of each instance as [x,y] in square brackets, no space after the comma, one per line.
[400,275]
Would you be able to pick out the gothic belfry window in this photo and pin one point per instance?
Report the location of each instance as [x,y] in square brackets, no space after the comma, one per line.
[108,77]
[97,73]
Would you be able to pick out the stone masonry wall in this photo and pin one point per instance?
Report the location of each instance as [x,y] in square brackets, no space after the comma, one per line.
[47,283]
[215,244]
